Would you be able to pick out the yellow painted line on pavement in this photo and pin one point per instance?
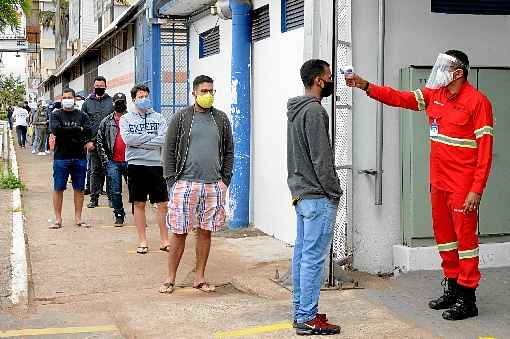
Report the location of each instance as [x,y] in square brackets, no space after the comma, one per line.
[255,330]
[486,338]
[102,206]
[57,330]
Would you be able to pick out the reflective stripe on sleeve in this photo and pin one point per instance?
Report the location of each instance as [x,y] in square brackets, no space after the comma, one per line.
[485,130]
[419,99]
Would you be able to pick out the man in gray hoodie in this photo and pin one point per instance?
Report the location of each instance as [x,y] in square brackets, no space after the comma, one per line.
[315,190]
[143,132]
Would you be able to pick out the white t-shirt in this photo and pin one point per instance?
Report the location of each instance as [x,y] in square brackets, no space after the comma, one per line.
[20,116]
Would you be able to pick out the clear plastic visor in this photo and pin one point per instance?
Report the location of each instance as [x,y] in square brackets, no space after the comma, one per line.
[439,76]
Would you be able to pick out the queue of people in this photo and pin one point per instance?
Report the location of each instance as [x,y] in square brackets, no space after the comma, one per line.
[184,167]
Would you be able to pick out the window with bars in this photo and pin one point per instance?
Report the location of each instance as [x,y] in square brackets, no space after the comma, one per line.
[209,42]
[261,24]
[485,7]
[293,14]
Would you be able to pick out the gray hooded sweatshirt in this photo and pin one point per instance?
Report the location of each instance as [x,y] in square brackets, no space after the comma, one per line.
[144,136]
[310,163]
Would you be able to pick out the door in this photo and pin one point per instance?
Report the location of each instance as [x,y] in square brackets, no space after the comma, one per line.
[494,208]
[174,67]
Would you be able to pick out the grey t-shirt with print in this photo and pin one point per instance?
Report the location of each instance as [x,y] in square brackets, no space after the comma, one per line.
[203,159]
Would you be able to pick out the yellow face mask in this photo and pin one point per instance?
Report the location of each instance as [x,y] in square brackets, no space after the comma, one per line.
[205,100]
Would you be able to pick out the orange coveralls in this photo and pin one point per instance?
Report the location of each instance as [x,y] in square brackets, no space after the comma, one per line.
[460,162]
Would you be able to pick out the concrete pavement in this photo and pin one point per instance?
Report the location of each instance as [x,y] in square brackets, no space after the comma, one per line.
[88,283]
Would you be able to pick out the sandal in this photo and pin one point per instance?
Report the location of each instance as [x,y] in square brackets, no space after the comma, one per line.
[165,248]
[205,287]
[166,288]
[82,224]
[142,249]
[55,226]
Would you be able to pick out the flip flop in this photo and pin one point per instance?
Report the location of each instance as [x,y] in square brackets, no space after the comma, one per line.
[205,287]
[55,226]
[82,224]
[165,248]
[142,249]
[166,288]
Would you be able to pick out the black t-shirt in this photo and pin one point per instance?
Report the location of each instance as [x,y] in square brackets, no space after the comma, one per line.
[72,131]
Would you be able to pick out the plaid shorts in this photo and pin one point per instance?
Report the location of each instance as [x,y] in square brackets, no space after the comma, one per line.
[196,205]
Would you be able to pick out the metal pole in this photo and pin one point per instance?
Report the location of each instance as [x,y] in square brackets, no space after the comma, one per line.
[241,112]
[379,116]
[331,268]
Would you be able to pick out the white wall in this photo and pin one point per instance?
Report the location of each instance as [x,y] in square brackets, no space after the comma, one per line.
[119,73]
[78,84]
[216,66]
[57,91]
[276,62]
[414,35]
[88,27]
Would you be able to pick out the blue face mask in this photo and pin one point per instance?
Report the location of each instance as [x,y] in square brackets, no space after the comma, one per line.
[143,103]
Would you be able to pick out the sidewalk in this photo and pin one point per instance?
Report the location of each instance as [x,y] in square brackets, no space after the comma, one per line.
[88,282]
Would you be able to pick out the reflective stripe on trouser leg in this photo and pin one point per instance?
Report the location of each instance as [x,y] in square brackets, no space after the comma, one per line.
[444,233]
[466,229]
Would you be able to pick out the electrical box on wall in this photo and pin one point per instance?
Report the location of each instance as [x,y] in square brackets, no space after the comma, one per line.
[415,207]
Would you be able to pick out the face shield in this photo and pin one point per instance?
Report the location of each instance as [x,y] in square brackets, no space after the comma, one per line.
[442,72]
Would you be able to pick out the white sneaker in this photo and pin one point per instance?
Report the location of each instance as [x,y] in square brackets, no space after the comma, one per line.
[47,152]
[34,152]
[41,153]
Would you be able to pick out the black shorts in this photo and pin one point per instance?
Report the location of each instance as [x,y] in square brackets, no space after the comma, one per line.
[146,181]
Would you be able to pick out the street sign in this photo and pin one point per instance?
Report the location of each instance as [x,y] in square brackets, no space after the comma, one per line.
[13,45]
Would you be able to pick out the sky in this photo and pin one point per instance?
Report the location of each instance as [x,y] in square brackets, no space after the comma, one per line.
[13,65]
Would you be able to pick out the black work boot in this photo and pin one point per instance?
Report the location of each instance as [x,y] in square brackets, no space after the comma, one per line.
[449,296]
[465,307]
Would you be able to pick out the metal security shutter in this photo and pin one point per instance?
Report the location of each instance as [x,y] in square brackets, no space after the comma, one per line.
[293,14]
[261,23]
[486,7]
[209,42]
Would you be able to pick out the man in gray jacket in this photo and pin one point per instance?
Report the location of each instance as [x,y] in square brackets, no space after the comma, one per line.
[315,190]
[198,160]
[143,132]
[97,106]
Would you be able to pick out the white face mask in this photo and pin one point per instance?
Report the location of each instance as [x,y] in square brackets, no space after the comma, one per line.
[68,103]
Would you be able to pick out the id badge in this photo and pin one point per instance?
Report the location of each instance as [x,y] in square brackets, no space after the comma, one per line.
[434,129]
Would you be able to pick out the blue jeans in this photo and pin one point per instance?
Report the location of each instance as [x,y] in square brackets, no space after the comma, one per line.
[115,171]
[315,219]
[35,139]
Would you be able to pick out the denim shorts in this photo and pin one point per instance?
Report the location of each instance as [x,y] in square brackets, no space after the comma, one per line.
[62,168]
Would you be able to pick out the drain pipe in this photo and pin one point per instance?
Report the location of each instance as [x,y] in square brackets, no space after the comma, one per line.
[379,115]
[241,112]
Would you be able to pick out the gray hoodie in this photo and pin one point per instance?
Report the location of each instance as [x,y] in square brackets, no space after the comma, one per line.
[144,136]
[310,163]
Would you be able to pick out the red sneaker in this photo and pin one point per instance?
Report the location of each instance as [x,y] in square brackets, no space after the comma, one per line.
[316,326]
[321,316]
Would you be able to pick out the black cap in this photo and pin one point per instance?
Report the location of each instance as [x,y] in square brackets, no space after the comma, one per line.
[119,97]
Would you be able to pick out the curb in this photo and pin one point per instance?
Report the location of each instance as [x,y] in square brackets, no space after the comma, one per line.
[19,275]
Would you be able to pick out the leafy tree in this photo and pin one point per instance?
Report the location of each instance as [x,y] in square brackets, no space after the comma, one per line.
[12,91]
[9,17]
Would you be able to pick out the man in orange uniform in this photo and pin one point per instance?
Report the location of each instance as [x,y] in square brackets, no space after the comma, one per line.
[461,134]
